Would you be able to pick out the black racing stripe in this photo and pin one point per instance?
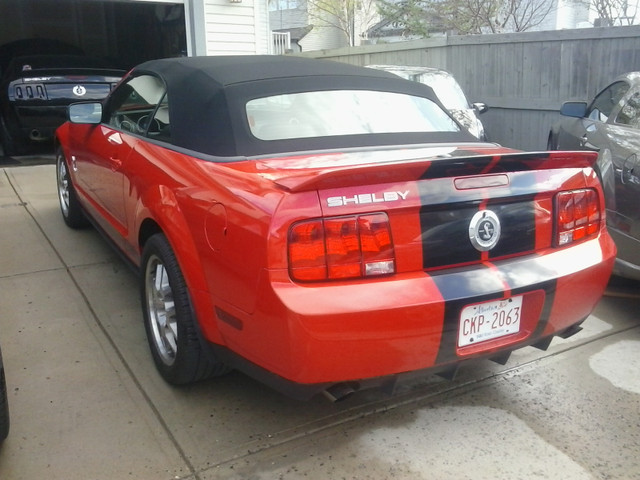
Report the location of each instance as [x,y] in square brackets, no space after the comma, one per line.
[518,228]
[445,235]
[461,295]
[459,167]
[445,232]
[457,292]
[549,297]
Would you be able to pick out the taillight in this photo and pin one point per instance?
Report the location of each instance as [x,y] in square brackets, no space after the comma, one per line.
[32,91]
[577,215]
[341,247]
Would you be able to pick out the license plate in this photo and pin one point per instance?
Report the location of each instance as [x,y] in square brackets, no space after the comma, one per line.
[489,320]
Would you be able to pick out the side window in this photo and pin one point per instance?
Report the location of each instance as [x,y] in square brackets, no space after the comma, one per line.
[630,113]
[606,100]
[133,103]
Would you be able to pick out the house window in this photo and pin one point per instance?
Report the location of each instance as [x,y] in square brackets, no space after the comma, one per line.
[275,5]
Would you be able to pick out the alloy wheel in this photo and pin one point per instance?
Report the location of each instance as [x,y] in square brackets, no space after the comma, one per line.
[63,186]
[161,310]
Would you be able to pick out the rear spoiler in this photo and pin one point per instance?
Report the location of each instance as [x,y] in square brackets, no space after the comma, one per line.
[430,168]
[75,71]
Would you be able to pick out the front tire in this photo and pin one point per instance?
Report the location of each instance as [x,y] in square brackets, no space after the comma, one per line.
[172,331]
[70,208]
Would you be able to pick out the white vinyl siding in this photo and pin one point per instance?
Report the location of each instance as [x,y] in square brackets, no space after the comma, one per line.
[236,28]
[323,38]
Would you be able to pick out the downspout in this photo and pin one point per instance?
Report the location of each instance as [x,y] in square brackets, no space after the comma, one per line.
[195,25]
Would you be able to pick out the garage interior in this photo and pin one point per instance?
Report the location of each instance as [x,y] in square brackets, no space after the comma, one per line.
[124,32]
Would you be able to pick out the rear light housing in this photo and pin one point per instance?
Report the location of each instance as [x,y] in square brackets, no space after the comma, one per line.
[578,215]
[31,91]
[337,248]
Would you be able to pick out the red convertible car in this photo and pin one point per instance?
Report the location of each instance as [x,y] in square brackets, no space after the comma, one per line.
[328,228]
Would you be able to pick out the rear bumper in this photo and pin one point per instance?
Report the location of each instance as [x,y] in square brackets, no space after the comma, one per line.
[306,338]
[336,391]
[39,122]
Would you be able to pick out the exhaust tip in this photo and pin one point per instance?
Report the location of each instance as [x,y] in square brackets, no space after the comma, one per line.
[340,391]
[570,332]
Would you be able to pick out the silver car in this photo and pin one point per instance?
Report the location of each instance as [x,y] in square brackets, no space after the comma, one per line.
[448,91]
[610,124]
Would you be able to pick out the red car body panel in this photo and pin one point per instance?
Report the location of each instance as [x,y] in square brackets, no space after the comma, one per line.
[229,223]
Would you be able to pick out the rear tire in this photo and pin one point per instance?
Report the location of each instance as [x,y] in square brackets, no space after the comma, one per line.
[178,351]
[69,206]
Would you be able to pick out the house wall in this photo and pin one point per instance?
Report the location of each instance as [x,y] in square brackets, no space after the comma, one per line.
[571,14]
[288,18]
[523,77]
[323,38]
[235,28]
[323,34]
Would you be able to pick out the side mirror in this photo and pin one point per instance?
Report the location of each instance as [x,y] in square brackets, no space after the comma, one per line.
[85,113]
[480,107]
[574,109]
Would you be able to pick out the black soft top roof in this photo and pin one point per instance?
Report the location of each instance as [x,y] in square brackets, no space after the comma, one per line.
[208,95]
[233,69]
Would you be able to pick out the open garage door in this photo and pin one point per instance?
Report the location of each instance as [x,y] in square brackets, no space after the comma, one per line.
[125,32]
[80,49]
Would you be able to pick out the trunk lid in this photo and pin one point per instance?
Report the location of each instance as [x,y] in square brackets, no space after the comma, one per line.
[433,197]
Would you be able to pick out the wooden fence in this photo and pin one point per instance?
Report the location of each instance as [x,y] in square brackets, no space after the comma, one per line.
[523,77]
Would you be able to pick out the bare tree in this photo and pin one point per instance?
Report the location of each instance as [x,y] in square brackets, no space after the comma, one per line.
[615,12]
[468,16]
[528,14]
[351,17]
[415,17]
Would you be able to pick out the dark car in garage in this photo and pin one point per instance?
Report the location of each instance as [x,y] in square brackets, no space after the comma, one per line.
[35,91]
[610,125]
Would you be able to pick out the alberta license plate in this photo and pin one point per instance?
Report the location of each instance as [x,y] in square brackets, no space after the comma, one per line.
[489,320]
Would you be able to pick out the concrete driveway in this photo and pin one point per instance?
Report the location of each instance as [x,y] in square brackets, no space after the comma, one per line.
[86,402]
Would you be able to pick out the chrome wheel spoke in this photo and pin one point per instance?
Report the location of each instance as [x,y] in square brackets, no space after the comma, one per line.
[63,185]
[162,311]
